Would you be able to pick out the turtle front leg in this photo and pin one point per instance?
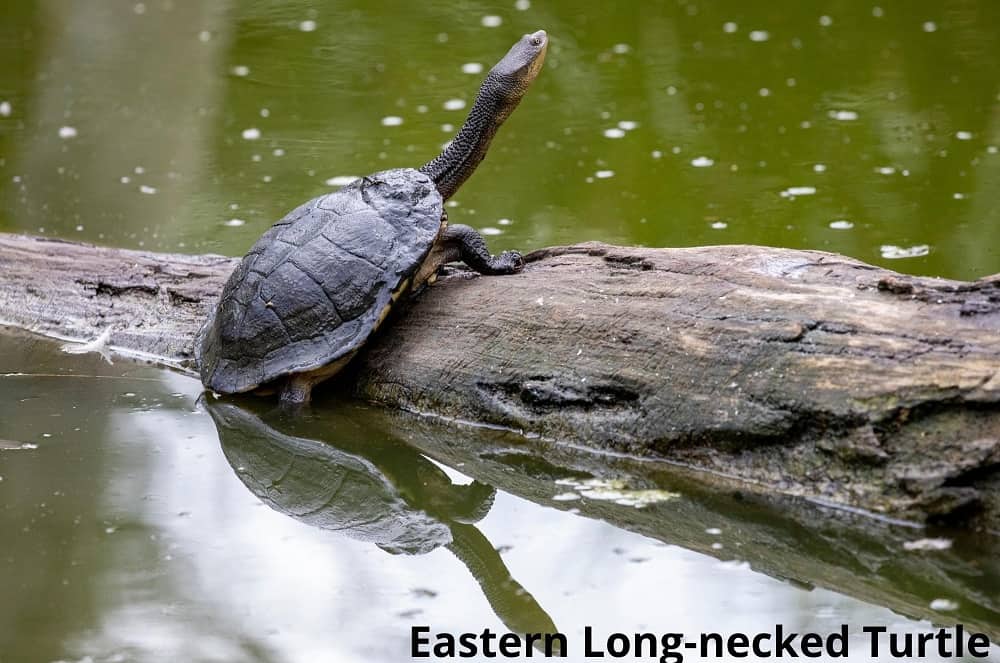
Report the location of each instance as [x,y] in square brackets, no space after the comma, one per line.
[467,245]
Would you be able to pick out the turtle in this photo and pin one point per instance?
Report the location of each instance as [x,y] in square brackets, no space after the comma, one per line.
[320,281]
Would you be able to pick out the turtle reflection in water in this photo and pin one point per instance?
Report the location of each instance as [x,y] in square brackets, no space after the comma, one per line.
[320,281]
[384,492]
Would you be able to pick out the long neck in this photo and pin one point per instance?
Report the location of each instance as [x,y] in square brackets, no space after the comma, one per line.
[457,162]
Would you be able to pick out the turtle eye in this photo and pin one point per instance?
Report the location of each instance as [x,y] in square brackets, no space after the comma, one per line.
[536,41]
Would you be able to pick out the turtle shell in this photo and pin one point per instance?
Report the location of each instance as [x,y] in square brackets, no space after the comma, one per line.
[317,283]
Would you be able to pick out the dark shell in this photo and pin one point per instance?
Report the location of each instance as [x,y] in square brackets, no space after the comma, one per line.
[313,287]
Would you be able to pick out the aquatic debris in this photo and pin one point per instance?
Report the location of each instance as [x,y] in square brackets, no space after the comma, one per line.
[391,121]
[340,180]
[253,133]
[234,223]
[759,35]
[490,230]
[615,490]
[67,132]
[491,21]
[5,109]
[614,132]
[963,135]
[927,544]
[843,115]
[930,26]
[12,445]
[893,252]
[454,104]
[98,345]
[241,70]
[841,224]
[943,605]
[308,26]
[793,191]
[702,162]
[604,174]
[472,68]
[730,27]
[714,531]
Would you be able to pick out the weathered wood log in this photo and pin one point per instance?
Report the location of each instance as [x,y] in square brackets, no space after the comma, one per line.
[806,372]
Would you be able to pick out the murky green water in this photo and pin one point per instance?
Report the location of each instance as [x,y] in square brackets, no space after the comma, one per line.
[140,525]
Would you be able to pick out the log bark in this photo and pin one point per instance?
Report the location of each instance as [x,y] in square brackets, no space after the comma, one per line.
[804,372]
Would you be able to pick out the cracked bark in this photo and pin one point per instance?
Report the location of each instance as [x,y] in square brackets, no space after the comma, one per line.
[804,372]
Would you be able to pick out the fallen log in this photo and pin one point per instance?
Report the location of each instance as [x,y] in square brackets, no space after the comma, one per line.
[802,372]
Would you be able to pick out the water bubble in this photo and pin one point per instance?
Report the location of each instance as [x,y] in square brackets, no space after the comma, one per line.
[759,35]
[447,127]
[719,225]
[614,132]
[825,21]
[454,104]
[5,109]
[278,152]
[340,180]
[992,149]
[702,162]
[79,229]
[621,49]
[391,121]
[522,5]
[963,135]
[472,68]
[241,70]
[124,179]
[204,36]
[604,174]
[491,21]
[877,12]
[490,230]
[628,125]
[67,132]
[958,196]
[943,605]
[841,224]
[146,189]
[794,191]
[252,133]
[656,154]
[504,222]
[307,26]
[819,168]
[730,27]
[234,223]
[930,26]
[764,92]
[139,8]
[893,252]
[843,115]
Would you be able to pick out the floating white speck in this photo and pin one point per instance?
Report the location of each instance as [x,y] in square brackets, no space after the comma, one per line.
[614,132]
[472,68]
[825,21]
[234,223]
[628,125]
[719,225]
[139,8]
[604,174]
[714,531]
[146,189]
[702,162]
[621,49]
[5,109]
[278,152]
[958,196]
[819,168]
[843,115]
[255,158]
[963,135]
[671,90]
[729,27]
[490,230]
[454,104]
[447,126]
[885,170]
[927,544]
[841,224]
[943,605]
[79,229]
[67,132]
[992,149]
[764,92]
[252,133]
[391,121]
[893,252]
[930,26]
[264,112]
[340,180]
[124,179]
[717,546]
[760,35]
[794,191]
[491,21]
[138,170]
[504,222]
[522,5]
[241,70]
[307,26]
[656,154]
[565,497]
[877,12]
[204,36]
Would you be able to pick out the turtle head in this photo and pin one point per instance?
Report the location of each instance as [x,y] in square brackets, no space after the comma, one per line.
[511,77]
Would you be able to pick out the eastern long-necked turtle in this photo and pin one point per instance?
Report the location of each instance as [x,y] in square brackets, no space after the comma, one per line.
[317,284]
